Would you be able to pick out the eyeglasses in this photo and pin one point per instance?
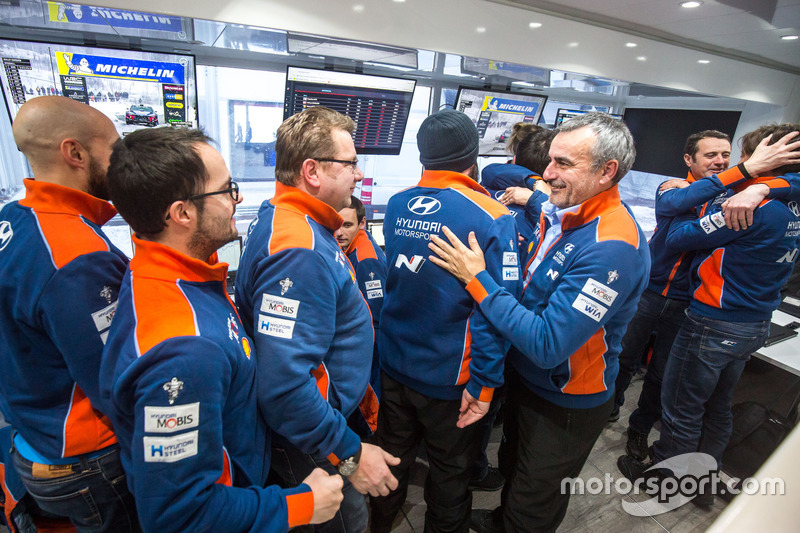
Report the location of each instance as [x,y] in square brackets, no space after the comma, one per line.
[233,190]
[352,164]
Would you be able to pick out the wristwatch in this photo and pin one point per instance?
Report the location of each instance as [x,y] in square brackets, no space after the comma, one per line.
[349,466]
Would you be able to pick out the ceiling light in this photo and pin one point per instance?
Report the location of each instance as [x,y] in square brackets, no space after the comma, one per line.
[641,58]
[691,4]
[534,25]
[703,61]
[358,8]
[631,45]
[790,37]
[480,29]
[573,45]
[399,1]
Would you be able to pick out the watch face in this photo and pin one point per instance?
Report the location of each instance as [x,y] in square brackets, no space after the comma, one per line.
[347,467]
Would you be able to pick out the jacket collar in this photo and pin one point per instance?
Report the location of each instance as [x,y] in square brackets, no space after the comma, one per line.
[301,202]
[599,204]
[360,239]
[155,260]
[443,179]
[51,198]
[690,177]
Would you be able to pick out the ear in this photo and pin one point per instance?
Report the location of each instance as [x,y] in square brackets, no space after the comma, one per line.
[609,172]
[182,212]
[688,160]
[74,154]
[310,173]
[363,223]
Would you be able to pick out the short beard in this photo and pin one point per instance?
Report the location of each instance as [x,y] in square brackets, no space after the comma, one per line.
[98,184]
[202,244]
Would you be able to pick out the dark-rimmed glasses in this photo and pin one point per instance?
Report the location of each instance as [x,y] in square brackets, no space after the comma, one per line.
[352,164]
[233,190]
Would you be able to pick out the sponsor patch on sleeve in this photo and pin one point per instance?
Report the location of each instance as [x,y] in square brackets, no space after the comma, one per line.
[277,305]
[377,293]
[102,318]
[375,284]
[601,292]
[170,449]
[711,223]
[510,259]
[589,307]
[275,327]
[510,274]
[171,419]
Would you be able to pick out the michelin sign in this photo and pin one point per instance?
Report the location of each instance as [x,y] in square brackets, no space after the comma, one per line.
[505,105]
[66,13]
[70,63]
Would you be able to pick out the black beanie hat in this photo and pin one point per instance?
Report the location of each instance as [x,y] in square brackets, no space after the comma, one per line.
[447,140]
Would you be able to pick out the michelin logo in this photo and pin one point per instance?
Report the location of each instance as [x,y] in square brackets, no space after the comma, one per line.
[276,305]
[589,307]
[170,449]
[171,419]
[602,292]
[275,327]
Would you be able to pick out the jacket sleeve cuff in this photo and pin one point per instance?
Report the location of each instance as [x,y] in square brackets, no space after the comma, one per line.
[476,287]
[483,394]
[732,176]
[348,447]
[300,505]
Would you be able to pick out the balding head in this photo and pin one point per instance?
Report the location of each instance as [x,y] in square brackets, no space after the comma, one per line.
[62,139]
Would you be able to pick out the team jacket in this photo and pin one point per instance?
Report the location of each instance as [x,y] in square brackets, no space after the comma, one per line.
[576,304]
[369,263]
[497,177]
[179,383]
[432,338]
[736,276]
[59,280]
[298,297]
[669,275]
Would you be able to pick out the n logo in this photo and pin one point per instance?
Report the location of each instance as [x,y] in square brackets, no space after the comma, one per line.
[413,265]
[552,274]
[788,257]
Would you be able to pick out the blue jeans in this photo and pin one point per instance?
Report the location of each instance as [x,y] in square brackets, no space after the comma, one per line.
[663,316]
[704,366]
[92,493]
[293,466]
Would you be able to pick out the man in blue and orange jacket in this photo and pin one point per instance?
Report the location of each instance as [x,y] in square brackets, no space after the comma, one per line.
[369,264]
[300,302]
[59,280]
[582,283]
[178,376]
[441,359]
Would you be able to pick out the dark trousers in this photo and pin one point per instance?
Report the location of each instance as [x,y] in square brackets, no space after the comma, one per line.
[485,425]
[92,493]
[543,443]
[407,418]
[663,316]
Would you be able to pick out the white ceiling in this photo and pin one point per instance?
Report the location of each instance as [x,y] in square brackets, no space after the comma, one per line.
[743,29]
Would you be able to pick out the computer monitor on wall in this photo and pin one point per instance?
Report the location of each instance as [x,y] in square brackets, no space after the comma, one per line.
[379,105]
[132,88]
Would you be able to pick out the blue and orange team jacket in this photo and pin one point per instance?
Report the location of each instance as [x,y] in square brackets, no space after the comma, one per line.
[576,304]
[432,337]
[669,275]
[179,383]
[736,276]
[497,177]
[59,280]
[299,300]
[369,264]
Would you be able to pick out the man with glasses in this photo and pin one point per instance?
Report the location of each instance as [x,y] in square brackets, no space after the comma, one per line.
[299,300]
[178,373]
[59,279]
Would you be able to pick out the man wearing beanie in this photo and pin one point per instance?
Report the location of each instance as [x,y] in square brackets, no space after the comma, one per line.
[441,359]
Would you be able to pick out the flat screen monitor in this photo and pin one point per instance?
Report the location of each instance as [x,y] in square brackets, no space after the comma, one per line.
[375,229]
[380,106]
[495,113]
[230,253]
[134,89]
[566,114]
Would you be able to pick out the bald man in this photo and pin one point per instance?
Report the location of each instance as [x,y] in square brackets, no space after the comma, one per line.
[59,279]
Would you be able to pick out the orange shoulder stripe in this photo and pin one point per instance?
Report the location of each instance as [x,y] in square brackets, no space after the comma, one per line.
[711,282]
[290,230]
[618,225]
[492,207]
[68,237]
[363,246]
[162,312]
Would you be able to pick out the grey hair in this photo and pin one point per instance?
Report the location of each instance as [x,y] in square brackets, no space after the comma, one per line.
[614,141]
